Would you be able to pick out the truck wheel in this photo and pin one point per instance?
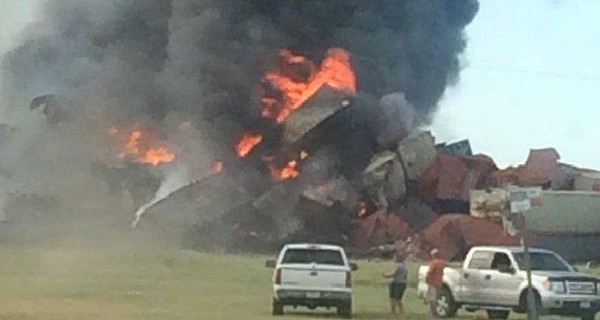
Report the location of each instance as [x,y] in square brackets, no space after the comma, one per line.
[538,303]
[444,306]
[277,308]
[498,314]
[345,310]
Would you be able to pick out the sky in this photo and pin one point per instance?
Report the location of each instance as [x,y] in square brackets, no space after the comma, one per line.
[531,79]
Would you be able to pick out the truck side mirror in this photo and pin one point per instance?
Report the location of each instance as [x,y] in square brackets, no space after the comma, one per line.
[353,266]
[270,263]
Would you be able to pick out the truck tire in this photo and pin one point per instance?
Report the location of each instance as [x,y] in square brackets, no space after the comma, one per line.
[498,314]
[538,303]
[445,306]
[345,310]
[277,308]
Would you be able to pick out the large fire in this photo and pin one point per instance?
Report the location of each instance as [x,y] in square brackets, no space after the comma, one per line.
[248,142]
[288,87]
[297,79]
[142,146]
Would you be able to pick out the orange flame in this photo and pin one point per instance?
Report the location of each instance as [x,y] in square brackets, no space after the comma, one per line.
[288,172]
[248,142]
[144,147]
[336,71]
[133,144]
[158,155]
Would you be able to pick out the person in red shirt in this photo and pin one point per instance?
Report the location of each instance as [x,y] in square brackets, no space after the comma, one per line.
[434,279]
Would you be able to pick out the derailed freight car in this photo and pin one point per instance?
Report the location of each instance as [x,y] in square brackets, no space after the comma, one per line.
[568,222]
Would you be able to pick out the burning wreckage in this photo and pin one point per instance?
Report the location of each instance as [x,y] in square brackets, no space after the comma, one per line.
[328,150]
[349,169]
[336,160]
[339,166]
[328,171]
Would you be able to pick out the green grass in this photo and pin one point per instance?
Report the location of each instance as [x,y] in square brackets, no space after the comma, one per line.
[69,284]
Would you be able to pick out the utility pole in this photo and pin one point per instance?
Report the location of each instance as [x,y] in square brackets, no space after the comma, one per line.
[532,312]
[520,203]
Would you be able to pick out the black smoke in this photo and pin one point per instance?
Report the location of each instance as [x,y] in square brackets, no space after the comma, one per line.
[164,62]
[205,58]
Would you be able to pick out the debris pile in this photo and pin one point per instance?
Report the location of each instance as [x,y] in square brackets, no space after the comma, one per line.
[249,134]
[410,189]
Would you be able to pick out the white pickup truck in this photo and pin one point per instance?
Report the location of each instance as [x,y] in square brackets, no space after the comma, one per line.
[312,275]
[493,279]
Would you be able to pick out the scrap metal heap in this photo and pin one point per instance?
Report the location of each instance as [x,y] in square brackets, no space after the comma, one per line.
[349,169]
[347,181]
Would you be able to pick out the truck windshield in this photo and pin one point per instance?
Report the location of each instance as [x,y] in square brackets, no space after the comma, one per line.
[305,256]
[541,261]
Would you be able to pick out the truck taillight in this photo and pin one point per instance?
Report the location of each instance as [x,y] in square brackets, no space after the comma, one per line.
[278,276]
[348,279]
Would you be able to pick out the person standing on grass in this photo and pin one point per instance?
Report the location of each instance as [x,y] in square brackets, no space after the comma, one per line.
[434,279]
[397,284]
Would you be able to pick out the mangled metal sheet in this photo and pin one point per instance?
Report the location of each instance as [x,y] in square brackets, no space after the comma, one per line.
[541,167]
[489,203]
[317,109]
[417,153]
[587,181]
[462,148]
[451,177]
[334,190]
[384,178]
[454,234]
[416,212]
[380,228]
[280,204]
[202,201]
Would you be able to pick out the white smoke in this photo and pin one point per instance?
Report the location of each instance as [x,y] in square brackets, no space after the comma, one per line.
[177,177]
[190,165]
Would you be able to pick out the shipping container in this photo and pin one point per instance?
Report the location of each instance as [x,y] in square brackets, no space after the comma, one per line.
[568,222]
[566,212]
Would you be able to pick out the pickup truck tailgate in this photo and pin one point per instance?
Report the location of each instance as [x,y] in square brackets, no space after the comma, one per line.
[313,276]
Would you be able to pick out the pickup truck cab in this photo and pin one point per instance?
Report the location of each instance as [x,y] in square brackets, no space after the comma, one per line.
[312,275]
[494,279]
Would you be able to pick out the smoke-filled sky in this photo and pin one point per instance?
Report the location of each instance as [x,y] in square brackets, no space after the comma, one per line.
[531,78]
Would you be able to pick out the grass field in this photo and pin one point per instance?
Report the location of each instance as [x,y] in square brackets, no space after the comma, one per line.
[68,284]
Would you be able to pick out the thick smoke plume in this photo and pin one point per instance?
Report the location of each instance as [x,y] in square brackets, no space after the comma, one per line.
[162,63]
